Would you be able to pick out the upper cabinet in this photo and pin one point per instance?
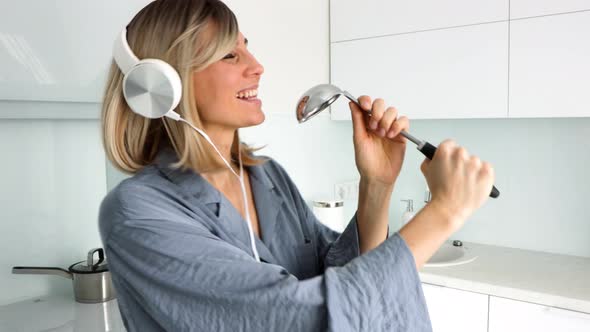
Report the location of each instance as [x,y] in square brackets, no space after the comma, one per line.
[528,8]
[59,50]
[449,73]
[463,59]
[549,66]
[353,19]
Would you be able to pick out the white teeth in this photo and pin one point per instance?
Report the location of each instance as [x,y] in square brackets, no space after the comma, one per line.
[247,94]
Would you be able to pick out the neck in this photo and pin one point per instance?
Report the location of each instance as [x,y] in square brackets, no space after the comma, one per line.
[223,179]
[223,139]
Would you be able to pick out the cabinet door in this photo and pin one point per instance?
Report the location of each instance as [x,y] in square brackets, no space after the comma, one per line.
[528,8]
[59,50]
[350,19]
[549,67]
[441,74]
[516,316]
[453,310]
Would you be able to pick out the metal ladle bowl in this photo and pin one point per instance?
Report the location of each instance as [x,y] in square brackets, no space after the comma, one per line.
[319,97]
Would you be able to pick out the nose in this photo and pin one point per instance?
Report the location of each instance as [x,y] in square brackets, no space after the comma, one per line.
[254,68]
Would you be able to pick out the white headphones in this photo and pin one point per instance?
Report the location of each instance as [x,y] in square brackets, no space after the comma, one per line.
[151,87]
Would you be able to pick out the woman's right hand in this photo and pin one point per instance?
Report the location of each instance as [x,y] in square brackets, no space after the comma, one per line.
[459,183]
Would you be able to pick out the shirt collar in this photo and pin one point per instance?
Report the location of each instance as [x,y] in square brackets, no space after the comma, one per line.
[192,182]
[197,185]
[267,202]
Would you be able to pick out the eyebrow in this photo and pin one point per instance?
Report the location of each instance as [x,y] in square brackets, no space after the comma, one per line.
[246,41]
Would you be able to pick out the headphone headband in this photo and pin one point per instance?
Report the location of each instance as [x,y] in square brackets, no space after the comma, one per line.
[124,56]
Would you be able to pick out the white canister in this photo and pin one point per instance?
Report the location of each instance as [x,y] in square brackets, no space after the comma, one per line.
[330,213]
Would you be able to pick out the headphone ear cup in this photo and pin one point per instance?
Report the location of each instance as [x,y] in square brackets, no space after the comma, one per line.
[152,88]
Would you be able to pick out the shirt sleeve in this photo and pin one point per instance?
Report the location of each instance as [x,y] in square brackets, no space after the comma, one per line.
[187,279]
[337,249]
[334,248]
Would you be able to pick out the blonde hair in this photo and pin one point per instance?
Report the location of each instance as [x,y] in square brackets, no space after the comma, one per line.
[189,35]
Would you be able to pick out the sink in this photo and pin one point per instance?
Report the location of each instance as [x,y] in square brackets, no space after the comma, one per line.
[450,255]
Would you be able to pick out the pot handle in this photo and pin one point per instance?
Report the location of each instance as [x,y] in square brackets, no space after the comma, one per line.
[90,261]
[41,270]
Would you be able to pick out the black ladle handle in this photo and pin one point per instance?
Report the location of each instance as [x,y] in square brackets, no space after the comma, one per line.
[429,150]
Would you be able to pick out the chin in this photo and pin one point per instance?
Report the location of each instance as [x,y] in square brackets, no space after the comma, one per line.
[256,119]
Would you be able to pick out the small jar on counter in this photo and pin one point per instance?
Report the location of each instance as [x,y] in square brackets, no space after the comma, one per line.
[330,213]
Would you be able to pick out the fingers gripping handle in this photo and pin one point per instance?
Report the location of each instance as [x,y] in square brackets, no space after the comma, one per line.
[429,150]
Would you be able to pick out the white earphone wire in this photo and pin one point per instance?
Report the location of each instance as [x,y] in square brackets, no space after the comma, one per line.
[240,177]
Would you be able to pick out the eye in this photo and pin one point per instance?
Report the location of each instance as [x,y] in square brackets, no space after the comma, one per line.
[230,56]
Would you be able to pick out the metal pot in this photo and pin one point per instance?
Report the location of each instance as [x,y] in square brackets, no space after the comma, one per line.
[92,280]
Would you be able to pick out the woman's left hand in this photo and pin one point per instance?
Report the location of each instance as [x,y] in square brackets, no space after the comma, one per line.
[378,146]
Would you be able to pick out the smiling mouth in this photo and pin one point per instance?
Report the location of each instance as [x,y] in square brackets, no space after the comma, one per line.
[247,94]
[247,98]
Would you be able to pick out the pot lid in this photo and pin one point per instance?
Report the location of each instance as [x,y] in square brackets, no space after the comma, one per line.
[90,265]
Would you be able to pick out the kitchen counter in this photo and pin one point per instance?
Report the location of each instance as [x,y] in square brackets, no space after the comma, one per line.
[60,313]
[549,279]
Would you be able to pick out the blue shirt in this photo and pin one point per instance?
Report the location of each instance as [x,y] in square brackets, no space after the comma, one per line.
[180,258]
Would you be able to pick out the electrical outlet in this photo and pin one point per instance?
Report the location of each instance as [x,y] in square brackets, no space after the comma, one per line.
[347,190]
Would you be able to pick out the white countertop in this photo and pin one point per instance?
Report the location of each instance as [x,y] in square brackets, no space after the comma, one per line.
[60,313]
[549,279]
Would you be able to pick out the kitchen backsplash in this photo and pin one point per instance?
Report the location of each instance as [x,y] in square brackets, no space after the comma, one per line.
[541,170]
[54,178]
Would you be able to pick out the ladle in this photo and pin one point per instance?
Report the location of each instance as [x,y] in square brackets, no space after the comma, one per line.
[319,97]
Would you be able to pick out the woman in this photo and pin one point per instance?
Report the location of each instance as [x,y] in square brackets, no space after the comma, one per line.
[175,233]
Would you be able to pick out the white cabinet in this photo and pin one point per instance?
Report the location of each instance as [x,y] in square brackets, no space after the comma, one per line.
[59,50]
[445,60]
[528,8]
[350,19]
[516,316]
[441,74]
[453,310]
[549,67]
